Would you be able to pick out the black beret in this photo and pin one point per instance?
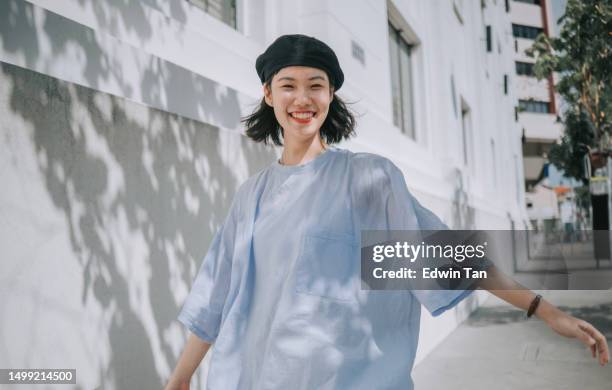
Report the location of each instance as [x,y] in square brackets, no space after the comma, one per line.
[299,50]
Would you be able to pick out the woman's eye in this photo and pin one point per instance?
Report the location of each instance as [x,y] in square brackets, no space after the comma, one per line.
[287,86]
[316,86]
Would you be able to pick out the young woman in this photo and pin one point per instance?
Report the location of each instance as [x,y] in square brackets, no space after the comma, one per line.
[278,292]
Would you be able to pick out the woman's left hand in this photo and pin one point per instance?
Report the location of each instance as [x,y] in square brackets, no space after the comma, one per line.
[569,326]
[564,324]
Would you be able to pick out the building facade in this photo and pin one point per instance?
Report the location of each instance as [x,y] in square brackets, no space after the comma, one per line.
[122,148]
[538,103]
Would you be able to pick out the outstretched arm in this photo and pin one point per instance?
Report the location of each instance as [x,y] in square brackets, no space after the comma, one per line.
[564,324]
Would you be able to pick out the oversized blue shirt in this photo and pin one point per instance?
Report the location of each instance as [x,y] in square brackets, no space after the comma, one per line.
[279,291]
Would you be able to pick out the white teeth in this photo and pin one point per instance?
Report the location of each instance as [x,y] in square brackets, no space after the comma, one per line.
[302,115]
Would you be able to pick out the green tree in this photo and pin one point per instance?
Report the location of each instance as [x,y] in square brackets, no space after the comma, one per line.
[569,154]
[582,59]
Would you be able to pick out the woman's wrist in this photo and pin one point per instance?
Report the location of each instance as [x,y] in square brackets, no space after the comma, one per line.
[547,312]
[177,382]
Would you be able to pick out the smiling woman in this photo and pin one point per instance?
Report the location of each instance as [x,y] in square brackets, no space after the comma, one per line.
[300,96]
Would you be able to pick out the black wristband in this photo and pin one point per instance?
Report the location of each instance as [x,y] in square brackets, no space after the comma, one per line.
[534,305]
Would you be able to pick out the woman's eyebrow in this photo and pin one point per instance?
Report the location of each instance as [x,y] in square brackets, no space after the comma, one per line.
[292,79]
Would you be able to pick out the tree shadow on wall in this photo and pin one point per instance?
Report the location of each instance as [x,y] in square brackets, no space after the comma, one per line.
[142,192]
[160,193]
[26,31]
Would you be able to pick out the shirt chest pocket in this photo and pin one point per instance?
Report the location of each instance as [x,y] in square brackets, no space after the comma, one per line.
[328,266]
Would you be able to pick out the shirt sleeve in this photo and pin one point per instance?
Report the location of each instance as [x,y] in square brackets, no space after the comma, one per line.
[202,310]
[404,212]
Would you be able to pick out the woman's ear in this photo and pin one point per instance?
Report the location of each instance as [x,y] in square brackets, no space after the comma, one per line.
[268,95]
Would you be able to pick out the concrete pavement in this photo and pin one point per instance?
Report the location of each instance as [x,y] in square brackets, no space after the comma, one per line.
[497,348]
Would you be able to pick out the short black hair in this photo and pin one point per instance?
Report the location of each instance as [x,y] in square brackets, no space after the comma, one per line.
[262,126]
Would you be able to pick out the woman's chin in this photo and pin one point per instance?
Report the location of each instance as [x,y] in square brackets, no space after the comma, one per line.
[302,132]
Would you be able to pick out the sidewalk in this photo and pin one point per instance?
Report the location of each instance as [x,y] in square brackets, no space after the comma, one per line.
[497,348]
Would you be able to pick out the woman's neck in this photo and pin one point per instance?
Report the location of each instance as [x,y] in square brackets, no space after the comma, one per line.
[301,153]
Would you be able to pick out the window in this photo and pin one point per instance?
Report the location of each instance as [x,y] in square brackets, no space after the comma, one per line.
[528,32]
[534,106]
[466,131]
[524,68]
[401,82]
[536,149]
[507,5]
[516,113]
[489,38]
[505,84]
[223,10]
[536,2]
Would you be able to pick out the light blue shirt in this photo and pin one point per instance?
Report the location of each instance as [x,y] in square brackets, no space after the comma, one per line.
[279,291]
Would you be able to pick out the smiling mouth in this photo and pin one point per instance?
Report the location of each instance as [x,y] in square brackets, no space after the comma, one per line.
[302,116]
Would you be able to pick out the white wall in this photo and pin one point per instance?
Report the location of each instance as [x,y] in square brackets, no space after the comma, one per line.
[531,88]
[539,126]
[526,14]
[107,211]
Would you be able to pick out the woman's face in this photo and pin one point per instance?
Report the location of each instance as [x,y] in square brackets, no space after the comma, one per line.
[300,96]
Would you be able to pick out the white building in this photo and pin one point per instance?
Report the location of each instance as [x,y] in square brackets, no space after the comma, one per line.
[122,147]
[538,103]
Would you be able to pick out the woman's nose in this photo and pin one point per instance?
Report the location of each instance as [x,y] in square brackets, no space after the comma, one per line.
[303,97]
